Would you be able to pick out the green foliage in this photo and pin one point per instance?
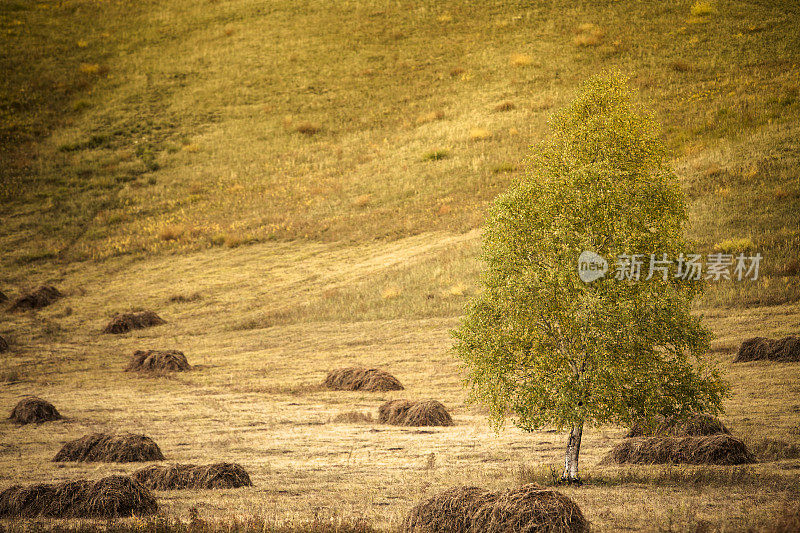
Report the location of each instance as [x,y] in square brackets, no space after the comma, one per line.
[543,347]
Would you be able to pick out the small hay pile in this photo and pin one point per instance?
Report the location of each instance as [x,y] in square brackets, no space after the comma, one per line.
[33,410]
[695,425]
[156,360]
[99,447]
[785,350]
[177,476]
[393,410]
[125,322]
[451,510]
[3,345]
[408,413]
[363,379]
[353,417]
[109,497]
[529,508]
[704,450]
[41,297]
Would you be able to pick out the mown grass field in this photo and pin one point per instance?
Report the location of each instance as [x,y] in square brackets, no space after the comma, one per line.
[311,178]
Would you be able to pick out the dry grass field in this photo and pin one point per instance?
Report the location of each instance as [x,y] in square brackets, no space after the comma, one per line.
[255,395]
[297,186]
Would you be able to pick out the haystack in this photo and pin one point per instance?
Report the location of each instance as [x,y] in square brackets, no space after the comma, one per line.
[695,425]
[98,447]
[41,297]
[156,360]
[353,417]
[448,511]
[3,345]
[33,410]
[363,379]
[125,322]
[110,497]
[407,413]
[704,450]
[530,508]
[786,350]
[177,476]
[472,510]
[427,413]
[393,411]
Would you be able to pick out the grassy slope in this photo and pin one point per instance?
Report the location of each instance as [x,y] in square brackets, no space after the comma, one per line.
[255,398]
[151,149]
[211,95]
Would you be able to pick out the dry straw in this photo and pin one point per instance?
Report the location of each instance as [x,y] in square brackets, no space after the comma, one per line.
[41,297]
[786,349]
[308,128]
[429,117]
[361,379]
[156,360]
[695,425]
[588,35]
[520,60]
[353,417]
[479,134]
[33,410]
[110,497]
[704,450]
[178,476]
[408,413]
[394,411]
[473,510]
[451,510]
[504,106]
[125,322]
[99,447]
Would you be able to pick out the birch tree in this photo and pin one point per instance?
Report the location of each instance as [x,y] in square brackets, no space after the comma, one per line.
[541,346]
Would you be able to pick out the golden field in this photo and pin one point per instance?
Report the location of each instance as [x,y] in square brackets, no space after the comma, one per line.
[311,178]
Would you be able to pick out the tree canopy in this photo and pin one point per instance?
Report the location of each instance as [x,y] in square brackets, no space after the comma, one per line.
[543,347]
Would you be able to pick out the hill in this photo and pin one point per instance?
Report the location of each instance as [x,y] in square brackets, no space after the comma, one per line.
[296,186]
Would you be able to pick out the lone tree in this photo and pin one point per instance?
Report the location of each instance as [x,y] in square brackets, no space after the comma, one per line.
[544,347]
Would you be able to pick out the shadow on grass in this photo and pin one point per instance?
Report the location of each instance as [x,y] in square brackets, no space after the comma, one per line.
[669,475]
[196,525]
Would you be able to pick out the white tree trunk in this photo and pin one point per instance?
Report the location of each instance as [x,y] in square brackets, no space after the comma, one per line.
[573,450]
